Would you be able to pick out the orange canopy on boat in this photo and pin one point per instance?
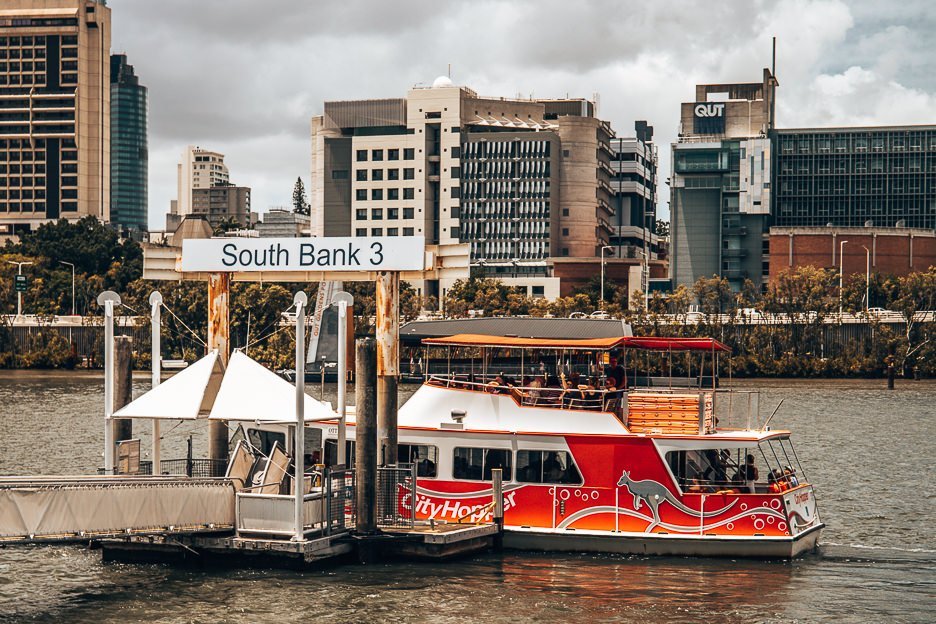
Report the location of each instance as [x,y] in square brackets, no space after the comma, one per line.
[591,344]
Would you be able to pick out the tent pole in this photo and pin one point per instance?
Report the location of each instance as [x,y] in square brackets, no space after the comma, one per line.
[300,300]
[344,300]
[107,299]
[156,300]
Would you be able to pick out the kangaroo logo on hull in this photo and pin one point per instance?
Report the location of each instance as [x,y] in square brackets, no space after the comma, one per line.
[654,494]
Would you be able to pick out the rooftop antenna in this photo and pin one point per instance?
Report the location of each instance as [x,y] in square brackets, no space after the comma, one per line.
[450,67]
[773,86]
[773,59]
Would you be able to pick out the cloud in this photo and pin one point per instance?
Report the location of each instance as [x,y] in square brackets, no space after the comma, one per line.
[244,78]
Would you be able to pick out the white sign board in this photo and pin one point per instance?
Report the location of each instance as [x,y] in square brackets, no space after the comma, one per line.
[377,253]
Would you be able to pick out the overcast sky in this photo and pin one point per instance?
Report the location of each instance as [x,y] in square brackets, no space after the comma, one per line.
[244,77]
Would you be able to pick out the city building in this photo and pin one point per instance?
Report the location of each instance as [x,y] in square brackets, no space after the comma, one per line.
[720,195]
[55,119]
[199,172]
[129,153]
[855,177]
[889,250]
[223,203]
[526,183]
[280,222]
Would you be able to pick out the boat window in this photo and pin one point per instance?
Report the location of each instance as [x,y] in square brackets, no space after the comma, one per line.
[424,456]
[331,452]
[716,470]
[547,467]
[263,440]
[476,463]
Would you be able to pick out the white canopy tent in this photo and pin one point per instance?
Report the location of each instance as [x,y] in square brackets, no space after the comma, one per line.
[250,392]
[245,391]
[186,396]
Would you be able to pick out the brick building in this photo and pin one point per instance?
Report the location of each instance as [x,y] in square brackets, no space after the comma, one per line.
[891,251]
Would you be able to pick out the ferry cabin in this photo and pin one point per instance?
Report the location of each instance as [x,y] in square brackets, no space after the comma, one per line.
[667,463]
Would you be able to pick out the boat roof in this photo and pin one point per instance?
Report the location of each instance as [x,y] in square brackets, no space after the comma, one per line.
[523,326]
[649,343]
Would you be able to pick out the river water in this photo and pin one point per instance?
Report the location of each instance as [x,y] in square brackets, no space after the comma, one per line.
[869,453]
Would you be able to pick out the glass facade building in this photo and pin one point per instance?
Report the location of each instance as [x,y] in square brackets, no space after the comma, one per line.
[129,153]
[852,177]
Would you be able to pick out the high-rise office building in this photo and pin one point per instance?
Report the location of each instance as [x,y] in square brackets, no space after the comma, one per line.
[55,117]
[720,184]
[129,152]
[525,183]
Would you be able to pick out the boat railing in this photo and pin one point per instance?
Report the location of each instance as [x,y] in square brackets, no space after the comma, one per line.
[580,397]
[670,410]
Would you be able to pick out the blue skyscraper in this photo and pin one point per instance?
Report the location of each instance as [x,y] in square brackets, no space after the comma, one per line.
[129,154]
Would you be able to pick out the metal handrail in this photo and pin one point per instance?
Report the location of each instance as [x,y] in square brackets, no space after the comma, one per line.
[534,396]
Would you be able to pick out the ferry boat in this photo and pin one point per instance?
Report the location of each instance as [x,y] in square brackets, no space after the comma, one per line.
[647,463]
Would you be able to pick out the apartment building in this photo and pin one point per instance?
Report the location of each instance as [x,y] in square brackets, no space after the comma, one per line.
[203,177]
[55,105]
[525,183]
[223,203]
[129,151]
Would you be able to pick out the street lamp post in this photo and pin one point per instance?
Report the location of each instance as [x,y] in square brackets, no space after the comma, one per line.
[73,283]
[841,274]
[601,301]
[19,295]
[867,278]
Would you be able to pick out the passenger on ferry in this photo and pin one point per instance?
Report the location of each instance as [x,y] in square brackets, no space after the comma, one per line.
[498,385]
[552,468]
[617,372]
[750,473]
[789,475]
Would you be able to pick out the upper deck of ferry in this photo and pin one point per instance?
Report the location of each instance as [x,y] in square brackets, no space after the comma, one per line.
[618,385]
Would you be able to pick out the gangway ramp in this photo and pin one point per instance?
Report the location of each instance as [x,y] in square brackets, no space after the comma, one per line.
[81,508]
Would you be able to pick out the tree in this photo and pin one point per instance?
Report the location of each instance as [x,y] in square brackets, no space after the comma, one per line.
[299,200]
[917,293]
[662,228]
[228,224]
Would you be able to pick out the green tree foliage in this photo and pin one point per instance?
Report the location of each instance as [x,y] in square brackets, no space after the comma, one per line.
[299,200]
[661,228]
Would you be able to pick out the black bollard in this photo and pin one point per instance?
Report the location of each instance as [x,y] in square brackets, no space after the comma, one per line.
[365,463]
[123,385]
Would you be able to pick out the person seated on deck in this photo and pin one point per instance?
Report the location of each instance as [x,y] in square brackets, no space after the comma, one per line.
[775,481]
[611,393]
[498,385]
[535,393]
[789,475]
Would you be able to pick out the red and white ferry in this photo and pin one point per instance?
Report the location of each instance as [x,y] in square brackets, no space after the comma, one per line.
[648,468]
[665,464]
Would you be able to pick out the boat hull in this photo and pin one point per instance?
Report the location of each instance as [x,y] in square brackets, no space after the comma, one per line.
[663,545]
